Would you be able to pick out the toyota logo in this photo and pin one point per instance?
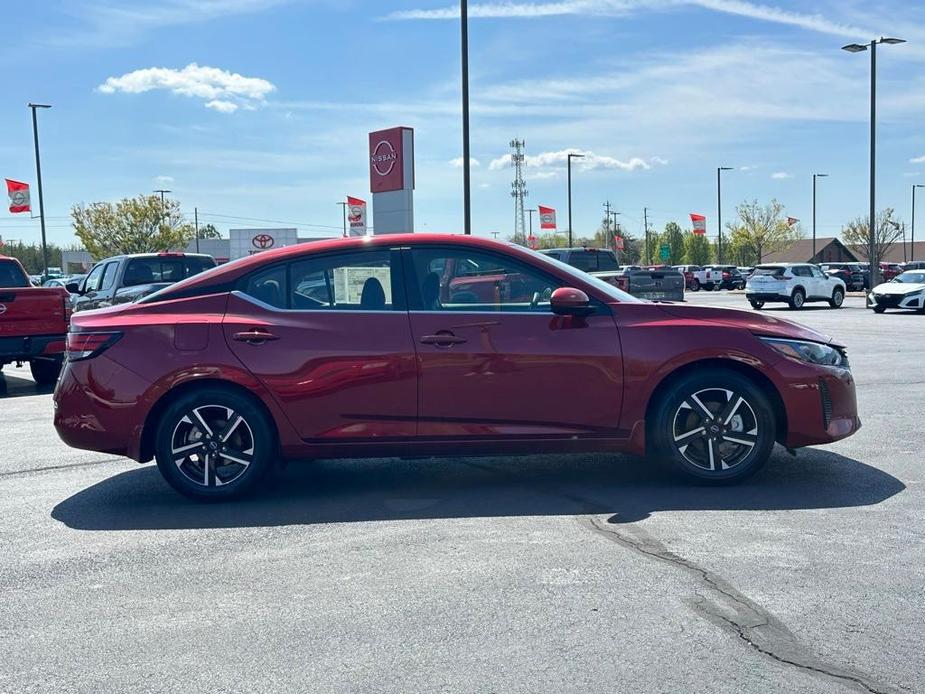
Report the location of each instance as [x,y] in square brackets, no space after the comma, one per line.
[263,241]
[383,156]
[2,309]
[18,198]
[546,218]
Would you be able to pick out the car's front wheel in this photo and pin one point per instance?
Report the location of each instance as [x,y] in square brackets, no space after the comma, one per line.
[879,309]
[214,443]
[838,298]
[695,285]
[715,425]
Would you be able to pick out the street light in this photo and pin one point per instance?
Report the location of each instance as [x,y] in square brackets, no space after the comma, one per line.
[531,221]
[38,175]
[912,245]
[343,206]
[815,176]
[569,158]
[719,212]
[464,41]
[872,220]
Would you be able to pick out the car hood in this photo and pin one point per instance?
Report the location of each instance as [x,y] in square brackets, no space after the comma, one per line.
[757,323]
[898,288]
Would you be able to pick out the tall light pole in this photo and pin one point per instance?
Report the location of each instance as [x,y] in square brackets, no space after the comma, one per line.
[343,206]
[530,212]
[872,219]
[38,175]
[912,245]
[719,212]
[815,176]
[163,204]
[464,36]
[569,166]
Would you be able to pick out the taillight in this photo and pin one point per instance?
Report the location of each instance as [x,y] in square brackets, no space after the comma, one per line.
[87,345]
[67,309]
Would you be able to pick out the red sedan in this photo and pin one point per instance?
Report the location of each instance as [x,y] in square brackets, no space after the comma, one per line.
[433,344]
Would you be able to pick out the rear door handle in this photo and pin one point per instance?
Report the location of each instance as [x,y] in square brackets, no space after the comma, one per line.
[442,340]
[255,336]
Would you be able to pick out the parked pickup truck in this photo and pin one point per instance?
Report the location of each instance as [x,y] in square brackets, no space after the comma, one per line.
[33,323]
[127,278]
[697,277]
[658,284]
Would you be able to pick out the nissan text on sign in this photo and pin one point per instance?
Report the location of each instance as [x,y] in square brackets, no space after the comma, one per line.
[391,180]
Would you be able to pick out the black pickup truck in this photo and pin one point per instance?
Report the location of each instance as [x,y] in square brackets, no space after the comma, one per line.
[127,278]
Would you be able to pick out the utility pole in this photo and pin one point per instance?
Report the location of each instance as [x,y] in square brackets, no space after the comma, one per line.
[912,244]
[645,221]
[569,158]
[815,176]
[38,174]
[530,212]
[464,36]
[719,213]
[196,222]
[607,235]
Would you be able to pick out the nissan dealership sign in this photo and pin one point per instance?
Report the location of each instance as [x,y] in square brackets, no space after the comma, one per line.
[391,160]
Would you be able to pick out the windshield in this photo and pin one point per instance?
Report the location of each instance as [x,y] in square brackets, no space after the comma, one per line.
[599,284]
[917,277]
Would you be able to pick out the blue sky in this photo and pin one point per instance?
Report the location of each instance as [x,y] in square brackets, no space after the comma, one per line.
[260,108]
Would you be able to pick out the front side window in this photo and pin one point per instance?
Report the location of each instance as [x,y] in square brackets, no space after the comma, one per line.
[444,280]
[94,278]
[109,276]
[817,273]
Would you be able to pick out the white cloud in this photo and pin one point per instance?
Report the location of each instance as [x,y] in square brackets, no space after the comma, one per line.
[222,106]
[748,168]
[741,8]
[163,180]
[918,160]
[221,90]
[588,162]
[458,162]
[781,175]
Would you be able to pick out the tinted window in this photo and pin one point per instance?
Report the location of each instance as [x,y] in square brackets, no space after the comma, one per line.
[771,270]
[801,271]
[12,276]
[502,284]
[163,269]
[583,260]
[347,282]
[109,276]
[606,262]
[817,273]
[268,286]
[94,278]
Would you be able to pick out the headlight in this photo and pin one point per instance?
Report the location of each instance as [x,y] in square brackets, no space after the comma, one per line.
[811,352]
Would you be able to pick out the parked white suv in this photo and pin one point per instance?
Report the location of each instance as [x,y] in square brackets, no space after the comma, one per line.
[793,283]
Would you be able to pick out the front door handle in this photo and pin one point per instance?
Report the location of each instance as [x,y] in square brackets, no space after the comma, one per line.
[442,340]
[255,336]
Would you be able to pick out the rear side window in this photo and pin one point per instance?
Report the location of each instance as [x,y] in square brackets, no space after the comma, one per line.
[11,275]
[268,287]
[166,269]
[802,271]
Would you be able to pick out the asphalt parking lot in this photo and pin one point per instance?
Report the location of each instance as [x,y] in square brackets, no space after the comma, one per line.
[558,574]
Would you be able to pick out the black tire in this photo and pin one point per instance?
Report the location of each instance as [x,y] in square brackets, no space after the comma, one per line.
[797,299]
[879,309]
[751,423]
[198,425]
[757,305]
[46,371]
[695,285]
[708,287]
[838,298]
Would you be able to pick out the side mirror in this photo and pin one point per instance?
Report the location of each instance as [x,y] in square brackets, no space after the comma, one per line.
[72,287]
[568,301]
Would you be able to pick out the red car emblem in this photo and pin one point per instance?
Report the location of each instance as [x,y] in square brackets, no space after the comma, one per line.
[263,241]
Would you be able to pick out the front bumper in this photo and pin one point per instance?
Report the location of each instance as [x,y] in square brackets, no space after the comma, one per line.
[821,404]
[31,347]
[912,301]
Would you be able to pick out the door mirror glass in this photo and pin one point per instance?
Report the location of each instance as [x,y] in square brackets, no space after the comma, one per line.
[568,301]
[72,287]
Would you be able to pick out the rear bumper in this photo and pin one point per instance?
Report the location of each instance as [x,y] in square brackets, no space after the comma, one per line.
[31,347]
[766,296]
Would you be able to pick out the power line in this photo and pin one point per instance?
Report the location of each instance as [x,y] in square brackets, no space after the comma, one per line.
[269,221]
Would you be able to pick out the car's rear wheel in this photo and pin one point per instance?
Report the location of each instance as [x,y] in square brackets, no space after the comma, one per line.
[757,305]
[838,298]
[45,371]
[797,299]
[708,286]
[214,443]
[695,285]
[715,426]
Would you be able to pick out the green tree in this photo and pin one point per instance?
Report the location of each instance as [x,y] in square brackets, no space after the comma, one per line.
[132,225]
[740,249]
[674,237]
[697,249]
[763,228]
[208,231]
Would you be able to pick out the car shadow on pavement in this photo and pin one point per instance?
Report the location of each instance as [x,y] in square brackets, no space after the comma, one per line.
[15,387]
[344,491]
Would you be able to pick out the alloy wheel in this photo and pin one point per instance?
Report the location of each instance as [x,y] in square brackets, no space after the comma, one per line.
[715,429]
[212,445]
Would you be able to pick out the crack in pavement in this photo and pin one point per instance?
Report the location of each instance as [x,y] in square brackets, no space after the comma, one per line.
[724,606]
[53,468]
